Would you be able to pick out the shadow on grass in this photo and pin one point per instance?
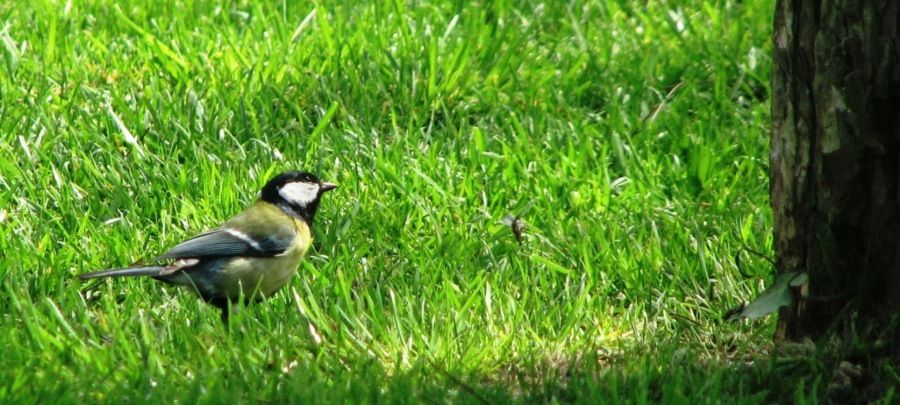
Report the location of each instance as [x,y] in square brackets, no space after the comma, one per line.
[797,374]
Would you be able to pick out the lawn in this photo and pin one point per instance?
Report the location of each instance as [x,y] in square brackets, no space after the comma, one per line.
[630,137]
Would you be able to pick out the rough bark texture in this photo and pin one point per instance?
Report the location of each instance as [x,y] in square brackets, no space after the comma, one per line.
[835,160]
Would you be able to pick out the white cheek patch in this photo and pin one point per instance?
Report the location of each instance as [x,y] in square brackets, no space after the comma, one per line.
[299,193]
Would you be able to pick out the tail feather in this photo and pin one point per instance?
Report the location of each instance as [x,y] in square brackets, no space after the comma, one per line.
[126,272]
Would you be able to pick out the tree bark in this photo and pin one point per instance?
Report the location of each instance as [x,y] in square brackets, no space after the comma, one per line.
[835,161]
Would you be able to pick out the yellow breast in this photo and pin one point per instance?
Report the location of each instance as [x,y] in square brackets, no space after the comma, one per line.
[264,276]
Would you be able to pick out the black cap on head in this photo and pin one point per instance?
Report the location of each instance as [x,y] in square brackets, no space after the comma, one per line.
[296,192]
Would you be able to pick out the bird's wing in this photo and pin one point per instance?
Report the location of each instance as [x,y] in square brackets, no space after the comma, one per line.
[227,242]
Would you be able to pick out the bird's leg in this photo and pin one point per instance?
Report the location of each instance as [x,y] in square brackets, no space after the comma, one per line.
[229,308]
[226,306]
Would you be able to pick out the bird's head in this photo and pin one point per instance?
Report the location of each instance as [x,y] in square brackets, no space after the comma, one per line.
[297,193]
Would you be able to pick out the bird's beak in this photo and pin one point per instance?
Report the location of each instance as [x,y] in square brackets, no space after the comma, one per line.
[328,187]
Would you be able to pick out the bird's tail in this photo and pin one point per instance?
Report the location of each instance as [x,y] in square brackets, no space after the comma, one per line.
[126,272]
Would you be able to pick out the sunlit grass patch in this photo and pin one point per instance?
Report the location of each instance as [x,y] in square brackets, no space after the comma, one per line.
[630,139]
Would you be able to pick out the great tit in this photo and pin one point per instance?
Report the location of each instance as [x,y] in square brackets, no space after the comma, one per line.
[251,255]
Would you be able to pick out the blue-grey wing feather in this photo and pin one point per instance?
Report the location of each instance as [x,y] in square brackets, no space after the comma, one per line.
[222,243]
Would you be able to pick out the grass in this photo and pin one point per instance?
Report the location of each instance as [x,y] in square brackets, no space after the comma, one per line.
[632,139]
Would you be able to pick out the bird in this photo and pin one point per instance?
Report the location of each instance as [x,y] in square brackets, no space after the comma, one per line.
[252,255]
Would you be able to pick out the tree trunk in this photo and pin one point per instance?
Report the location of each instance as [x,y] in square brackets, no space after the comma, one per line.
[835,161]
